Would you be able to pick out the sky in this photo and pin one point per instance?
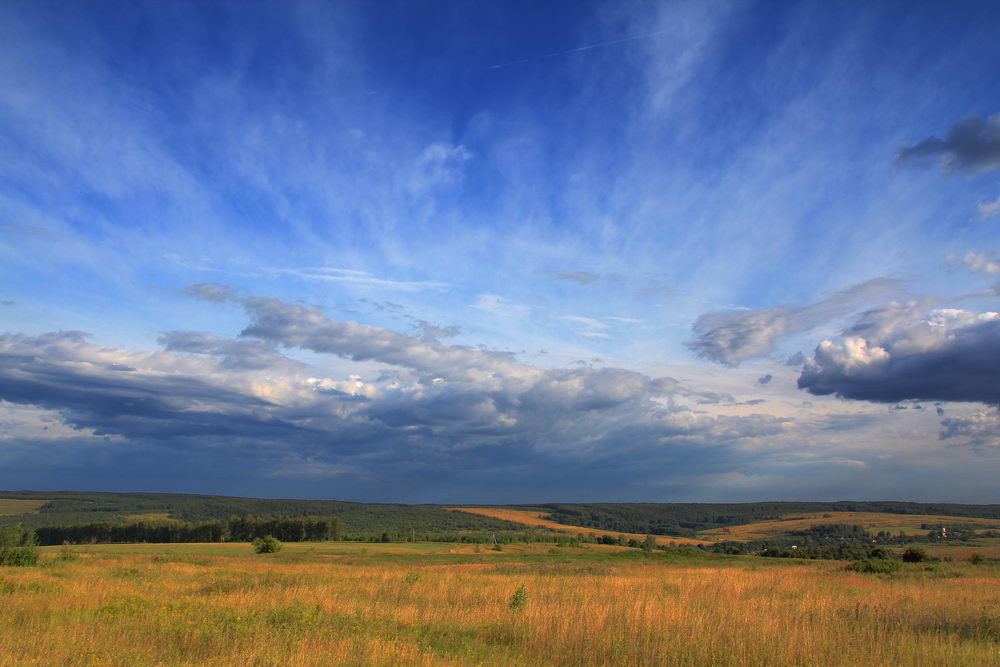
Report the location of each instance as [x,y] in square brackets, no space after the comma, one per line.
[501,252]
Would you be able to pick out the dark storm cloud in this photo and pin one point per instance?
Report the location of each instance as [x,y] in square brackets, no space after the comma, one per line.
[446,411]
[734,336]
[897,353]
[61,372]
[971,143]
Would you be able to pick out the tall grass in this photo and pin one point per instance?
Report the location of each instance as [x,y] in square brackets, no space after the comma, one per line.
[144,609]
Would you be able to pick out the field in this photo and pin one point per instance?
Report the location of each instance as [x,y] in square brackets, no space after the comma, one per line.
[873,522]
[11,506]
[537,520]
[449,604]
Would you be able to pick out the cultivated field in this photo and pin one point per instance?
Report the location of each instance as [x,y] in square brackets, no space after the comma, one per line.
[393,604]
[11,506]
[873,522]
[538,520]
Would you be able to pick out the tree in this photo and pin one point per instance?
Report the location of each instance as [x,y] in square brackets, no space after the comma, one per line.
[267,545]
[914,555]
[18,546]
[650,543]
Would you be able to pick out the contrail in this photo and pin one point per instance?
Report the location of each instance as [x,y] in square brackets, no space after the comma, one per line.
[580,48]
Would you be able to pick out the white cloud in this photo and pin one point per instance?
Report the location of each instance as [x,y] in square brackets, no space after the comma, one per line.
[989,209]
[499,306]
[978,262]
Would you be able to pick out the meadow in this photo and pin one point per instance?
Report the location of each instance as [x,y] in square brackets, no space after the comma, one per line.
[449,604]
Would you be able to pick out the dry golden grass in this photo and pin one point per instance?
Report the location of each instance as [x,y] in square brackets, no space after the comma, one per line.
[10,506]
[417,605]
[537,519]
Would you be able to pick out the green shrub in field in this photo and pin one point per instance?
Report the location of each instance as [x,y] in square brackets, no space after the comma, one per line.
[977,559]
[875,566]
[519,599]
[267,545]
[914,555]
[18,546]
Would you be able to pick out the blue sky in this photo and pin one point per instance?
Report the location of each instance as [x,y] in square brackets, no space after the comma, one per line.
[501,252]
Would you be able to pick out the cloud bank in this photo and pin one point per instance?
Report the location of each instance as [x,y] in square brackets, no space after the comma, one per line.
[899,352]
[731,337]
[971,143]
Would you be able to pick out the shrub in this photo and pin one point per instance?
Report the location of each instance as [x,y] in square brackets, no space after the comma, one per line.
[875,566]
[519,599]
[977,559]
[18,546]
[914,555]
[267,545]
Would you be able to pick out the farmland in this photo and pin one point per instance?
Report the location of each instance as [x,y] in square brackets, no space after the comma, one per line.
[908,524]
[538,520]
[420,603]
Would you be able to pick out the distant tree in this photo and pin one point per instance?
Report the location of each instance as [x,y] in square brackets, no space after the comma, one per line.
[386,538]
[650,543]
[914,555]
[267,545]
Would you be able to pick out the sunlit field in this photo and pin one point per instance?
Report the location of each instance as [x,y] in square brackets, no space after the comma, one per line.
[397,604]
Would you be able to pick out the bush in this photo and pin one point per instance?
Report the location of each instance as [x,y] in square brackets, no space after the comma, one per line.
[914,555]
[267,545]
[977,559]
[875,566]
[18,546]
[520,598]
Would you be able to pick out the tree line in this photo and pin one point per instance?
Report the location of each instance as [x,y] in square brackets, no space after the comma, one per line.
[235,529]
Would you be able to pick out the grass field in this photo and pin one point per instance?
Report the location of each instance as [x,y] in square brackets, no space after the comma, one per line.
[423,604]
[12,506]
[536,519]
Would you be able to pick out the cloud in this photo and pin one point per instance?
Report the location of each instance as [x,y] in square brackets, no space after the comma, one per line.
[977,262]
[762,381]
[7,302]
[796,359]
[212,292]
[581,277]
[971,143]
[981,429]
[233,354]
[900,352]
[588,322]
[441,410]
[361,279]
[499,306]
[989,209]
[439,164]
[734,336]
[25,230]
[438,331]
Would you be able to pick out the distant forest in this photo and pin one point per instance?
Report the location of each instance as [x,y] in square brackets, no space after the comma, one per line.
[153,517]
[64,508]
